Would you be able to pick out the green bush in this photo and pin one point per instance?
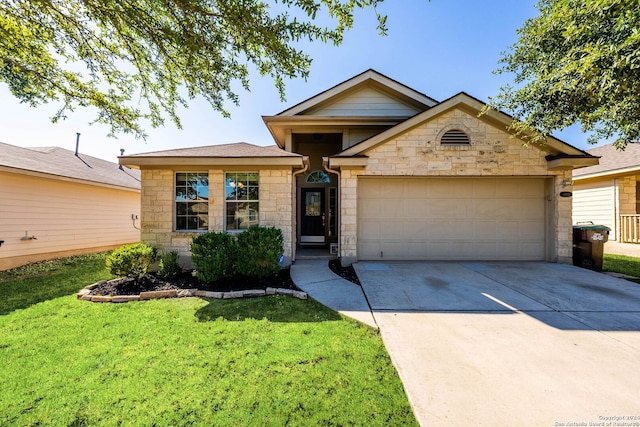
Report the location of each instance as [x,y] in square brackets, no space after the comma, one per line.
[213,254]
[131,260]
[169,265]
[258,251]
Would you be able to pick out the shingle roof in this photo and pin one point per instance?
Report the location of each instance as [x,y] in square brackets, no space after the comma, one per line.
[612,160]
[238,149]
[64,163]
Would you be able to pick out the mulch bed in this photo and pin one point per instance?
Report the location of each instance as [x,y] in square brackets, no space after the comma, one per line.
[152,282]
[347,273]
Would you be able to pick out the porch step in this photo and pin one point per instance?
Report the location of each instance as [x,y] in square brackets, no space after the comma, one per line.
[327,256]
[313,253]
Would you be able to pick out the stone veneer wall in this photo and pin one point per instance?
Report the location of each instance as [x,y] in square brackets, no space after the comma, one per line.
[157,212]
[492,152]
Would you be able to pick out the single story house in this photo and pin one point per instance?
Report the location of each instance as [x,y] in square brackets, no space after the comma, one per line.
[373,170]
[54,202]
[607,194]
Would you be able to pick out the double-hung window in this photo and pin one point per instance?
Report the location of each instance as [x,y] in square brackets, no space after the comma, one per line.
[241,199]
[192,201]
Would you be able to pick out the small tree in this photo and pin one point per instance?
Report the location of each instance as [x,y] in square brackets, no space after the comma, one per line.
[212,254]
[131,260]
[258,252]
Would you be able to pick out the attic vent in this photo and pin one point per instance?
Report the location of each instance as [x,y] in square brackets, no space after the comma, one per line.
[455,137]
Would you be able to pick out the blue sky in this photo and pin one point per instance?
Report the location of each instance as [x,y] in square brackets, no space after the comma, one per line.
[439,48]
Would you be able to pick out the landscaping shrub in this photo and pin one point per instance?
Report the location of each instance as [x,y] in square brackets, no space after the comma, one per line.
[258,251]
[169,266]
[131,260]
[213,254]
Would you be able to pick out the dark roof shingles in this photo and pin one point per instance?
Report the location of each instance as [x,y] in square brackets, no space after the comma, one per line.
[612,159]
[64,163]
[238,149]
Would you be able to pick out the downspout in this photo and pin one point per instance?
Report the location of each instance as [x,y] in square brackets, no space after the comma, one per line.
[326,167]
[294,181]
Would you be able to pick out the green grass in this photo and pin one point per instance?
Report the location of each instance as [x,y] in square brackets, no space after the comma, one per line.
[622,264]
[198,362]
[46,280]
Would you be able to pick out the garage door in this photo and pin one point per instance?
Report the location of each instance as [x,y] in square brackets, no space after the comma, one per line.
[451,218]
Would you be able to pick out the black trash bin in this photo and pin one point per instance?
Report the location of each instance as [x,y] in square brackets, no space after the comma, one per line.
[588,245]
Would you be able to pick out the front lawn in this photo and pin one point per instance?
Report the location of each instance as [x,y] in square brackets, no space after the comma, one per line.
[253,362]
[622,264]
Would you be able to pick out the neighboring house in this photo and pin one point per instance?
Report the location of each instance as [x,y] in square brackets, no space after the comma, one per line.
[373,170]
[607,193]
[55,203]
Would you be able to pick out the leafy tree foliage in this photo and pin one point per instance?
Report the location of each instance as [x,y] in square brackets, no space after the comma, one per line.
[577,62]
[140,60]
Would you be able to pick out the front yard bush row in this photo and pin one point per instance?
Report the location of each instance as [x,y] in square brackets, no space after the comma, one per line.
[258,251]
[253,253]
[216,255]
[213,255]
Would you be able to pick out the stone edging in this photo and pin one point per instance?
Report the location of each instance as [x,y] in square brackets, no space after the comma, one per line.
[181,293]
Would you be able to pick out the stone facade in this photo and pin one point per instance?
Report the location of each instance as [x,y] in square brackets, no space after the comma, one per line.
[491,152]
[158,204]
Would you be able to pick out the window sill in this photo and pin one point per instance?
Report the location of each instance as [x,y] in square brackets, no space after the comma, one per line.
[454,147]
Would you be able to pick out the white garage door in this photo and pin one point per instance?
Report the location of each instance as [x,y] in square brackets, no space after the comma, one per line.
[451,218]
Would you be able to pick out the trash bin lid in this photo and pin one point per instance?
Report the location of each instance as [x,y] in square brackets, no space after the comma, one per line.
[593,227]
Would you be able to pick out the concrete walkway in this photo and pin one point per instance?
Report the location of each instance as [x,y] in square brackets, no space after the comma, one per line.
[315,278]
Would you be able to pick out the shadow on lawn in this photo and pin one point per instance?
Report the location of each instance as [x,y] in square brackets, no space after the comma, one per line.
[33,291]
[277,308]
[31,284]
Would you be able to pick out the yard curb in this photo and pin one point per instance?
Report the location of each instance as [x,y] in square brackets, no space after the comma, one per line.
[85,294]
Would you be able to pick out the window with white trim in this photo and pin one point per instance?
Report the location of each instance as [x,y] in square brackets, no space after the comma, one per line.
[192,201]
[242,193]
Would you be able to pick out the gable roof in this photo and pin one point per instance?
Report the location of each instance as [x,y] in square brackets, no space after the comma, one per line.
[473,106]
[65,164]
[239,153]
[320,113]
[612,161]
[368,77]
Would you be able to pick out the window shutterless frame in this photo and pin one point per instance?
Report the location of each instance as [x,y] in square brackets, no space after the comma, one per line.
[242,200]
[191,201]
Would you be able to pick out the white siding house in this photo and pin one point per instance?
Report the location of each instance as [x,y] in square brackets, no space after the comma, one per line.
[55,203]
[606,194]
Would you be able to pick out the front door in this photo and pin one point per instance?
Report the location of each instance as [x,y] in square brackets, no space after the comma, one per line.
[313,217]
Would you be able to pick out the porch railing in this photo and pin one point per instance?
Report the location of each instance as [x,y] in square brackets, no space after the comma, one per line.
[629,228]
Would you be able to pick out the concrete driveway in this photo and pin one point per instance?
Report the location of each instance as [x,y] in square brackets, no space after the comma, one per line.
[499,343]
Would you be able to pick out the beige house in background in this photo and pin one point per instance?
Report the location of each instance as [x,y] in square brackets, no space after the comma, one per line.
[55,203]
[606,193]
[371,169]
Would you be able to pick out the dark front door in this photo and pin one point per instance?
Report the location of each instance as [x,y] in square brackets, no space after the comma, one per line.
[313,218]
